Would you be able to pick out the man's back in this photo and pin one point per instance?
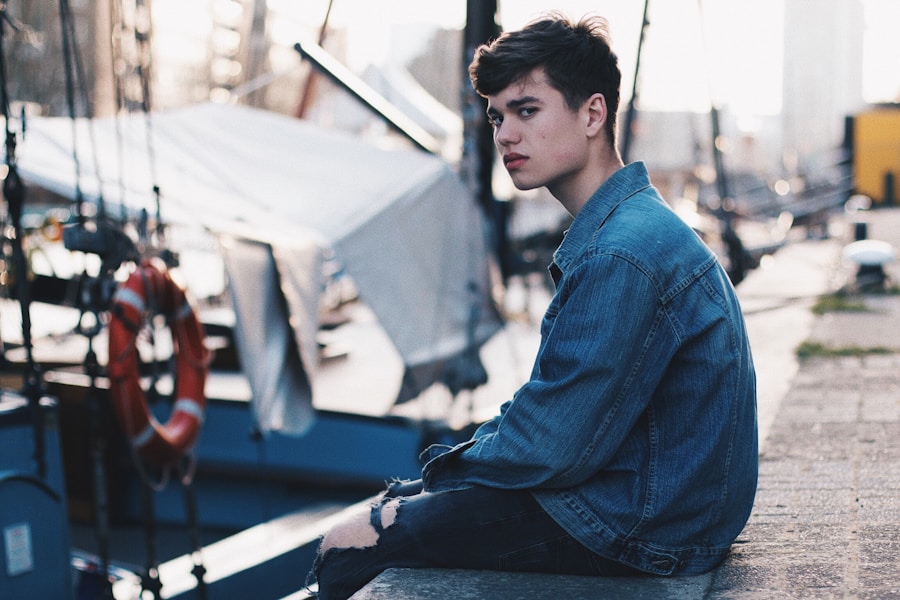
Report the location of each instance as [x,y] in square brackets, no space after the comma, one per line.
[675,449]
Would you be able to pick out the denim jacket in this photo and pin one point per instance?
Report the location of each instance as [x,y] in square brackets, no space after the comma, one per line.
[637,429]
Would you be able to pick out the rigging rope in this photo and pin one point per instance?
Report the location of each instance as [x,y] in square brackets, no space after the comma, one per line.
[141,27]
[74,68]
[14,192]
[143,31]
[115,39]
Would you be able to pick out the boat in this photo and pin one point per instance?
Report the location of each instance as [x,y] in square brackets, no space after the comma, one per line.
[295,243]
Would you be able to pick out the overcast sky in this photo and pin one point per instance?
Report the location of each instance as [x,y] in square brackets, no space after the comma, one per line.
[731,51]
[676,35]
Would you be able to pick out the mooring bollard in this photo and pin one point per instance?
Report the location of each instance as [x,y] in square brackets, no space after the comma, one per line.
[870,256]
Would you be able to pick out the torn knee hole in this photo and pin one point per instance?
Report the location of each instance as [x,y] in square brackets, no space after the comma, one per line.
[363,529]
[389,512]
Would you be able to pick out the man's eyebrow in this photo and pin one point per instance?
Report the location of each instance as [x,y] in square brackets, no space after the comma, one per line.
[514,104]
[517,102]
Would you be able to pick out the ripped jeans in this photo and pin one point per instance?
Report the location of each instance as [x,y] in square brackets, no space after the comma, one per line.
[476,528]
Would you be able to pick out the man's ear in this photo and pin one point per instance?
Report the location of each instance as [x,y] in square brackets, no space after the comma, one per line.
[596,113]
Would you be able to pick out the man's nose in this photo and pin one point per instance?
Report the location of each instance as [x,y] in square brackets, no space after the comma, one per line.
[504,134]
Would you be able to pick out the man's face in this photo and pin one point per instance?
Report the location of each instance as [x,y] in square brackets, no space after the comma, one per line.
[541,140]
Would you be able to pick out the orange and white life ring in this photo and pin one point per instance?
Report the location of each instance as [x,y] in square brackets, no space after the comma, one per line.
[148,291]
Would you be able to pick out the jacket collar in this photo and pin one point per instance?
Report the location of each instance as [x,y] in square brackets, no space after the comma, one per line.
[623,184]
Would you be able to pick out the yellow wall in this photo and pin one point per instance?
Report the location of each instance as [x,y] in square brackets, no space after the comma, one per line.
[876,151]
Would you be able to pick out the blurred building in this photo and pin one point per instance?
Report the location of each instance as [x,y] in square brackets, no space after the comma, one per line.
[163,53]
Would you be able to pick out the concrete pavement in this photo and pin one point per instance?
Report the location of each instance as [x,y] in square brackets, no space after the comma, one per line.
[826,523]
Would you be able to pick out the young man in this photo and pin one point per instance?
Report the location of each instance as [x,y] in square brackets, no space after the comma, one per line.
[632,449]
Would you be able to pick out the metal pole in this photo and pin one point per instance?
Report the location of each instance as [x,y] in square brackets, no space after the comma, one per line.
[478,138]
[477,164]
[310,84]
[628,133]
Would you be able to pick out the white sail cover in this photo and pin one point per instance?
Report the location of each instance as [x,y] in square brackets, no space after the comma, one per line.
[280,191]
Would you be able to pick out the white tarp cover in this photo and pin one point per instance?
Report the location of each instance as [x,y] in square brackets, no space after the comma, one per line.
[399,220]
[268,351]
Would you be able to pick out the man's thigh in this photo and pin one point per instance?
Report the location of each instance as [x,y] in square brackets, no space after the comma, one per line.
[475,528]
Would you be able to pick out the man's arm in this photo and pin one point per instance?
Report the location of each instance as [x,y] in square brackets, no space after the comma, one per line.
[599,362]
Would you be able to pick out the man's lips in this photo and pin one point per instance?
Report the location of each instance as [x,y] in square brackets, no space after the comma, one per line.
[513,161]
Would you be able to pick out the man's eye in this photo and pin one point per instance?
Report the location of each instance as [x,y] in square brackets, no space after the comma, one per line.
[527,111]
[495,120]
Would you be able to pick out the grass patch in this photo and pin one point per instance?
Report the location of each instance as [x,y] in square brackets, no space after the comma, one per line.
[816,349]
[838,303]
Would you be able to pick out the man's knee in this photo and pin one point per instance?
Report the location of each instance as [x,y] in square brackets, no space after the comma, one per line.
[363,529]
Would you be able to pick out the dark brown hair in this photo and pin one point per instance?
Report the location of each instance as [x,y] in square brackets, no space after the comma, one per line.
[577,59]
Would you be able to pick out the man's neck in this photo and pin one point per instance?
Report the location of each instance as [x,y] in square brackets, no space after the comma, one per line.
[576,193]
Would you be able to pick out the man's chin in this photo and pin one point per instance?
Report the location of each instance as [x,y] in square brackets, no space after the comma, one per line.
[524,186]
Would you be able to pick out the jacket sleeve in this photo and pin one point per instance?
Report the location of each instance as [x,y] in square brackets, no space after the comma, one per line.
[599,361]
